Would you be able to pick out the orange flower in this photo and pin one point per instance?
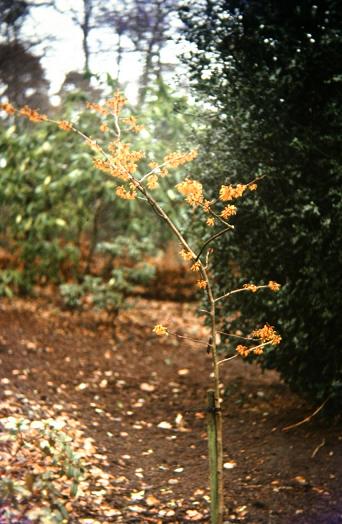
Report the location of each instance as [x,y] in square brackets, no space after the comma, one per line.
[210,222]
[267,334]
[206,205]
[242,350]
[32,114]
[251,287]
[231,192]
[274,286]
[192,190]
[186,255]
[131,121]
[196,266]
[178,159]
[122,192]
[99,109]
[65,125]
[116,103]
[10,110]
[152,182]
[202,284]
[104,128]
[228,212]
[123,160]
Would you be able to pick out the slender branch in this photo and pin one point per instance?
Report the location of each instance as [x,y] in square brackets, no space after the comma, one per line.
[317,448]
[117,126]
[237,336]
[230,226]
[213,237]
[154,170]
[238,291]
[206,344]
[308,418]
[226,359]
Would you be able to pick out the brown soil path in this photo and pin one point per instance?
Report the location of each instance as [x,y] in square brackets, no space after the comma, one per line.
[142,399]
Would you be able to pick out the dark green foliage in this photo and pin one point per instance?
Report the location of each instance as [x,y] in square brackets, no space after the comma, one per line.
[273,73]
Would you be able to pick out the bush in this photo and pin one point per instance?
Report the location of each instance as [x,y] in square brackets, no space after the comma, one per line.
[272,73]
[110,292]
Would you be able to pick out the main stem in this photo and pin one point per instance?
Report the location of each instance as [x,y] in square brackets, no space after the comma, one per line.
[217,517]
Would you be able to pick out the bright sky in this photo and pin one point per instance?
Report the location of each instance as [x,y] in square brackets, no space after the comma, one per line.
[65,53]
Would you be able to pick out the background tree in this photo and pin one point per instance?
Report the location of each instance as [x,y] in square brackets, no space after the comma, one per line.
[22,78]
[272,72]
[13,13]
[142,27]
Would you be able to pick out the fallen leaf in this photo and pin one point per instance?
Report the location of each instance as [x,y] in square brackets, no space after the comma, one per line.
[147,387]
[229,465]
[152,501]
[81,386]
[193,514]
[164,425]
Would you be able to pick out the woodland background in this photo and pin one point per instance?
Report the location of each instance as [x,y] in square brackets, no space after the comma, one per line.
[256,87]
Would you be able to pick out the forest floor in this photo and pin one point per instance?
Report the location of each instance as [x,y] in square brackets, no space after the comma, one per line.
[141,398]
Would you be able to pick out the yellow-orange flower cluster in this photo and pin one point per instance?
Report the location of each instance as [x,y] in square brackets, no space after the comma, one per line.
[228,212]
[186,255]
[251,287]
[231,192]
[192,190]
[178,159]
[210,222]
[267,334]
[160,330]
[202,284]
[104,128]
[65,125]
[274,286]
[116,103]
[123,193]
[206,205]
[132,123]
[10,110]
[98,108]
[121,163]
[152,182]
[244,351]
[32,114]
[196,266]
[103,165]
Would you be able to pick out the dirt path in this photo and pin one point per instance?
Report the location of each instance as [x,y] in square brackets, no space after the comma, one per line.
[142,399]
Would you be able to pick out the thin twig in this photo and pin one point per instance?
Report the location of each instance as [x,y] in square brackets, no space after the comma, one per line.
[307,419]
[213,237]
[238,291]
[237,336]
[189,338]
[316,450]
[226,359]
